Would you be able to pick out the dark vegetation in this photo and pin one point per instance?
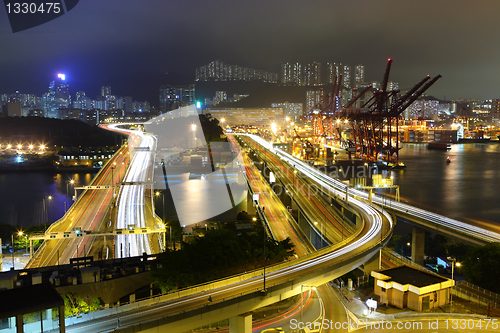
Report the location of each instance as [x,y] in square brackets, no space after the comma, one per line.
[481,266]
[20,242]
[221,252]
[435,246]
[58,132]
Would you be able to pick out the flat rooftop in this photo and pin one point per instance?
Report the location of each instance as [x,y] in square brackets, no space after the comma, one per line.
[409,275]
[29,299]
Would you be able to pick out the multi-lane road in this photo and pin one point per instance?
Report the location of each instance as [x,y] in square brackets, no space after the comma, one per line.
[123,201]
[91,211]
[132,208]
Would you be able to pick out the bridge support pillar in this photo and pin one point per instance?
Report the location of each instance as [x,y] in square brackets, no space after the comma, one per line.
[417,245]
[240,324]
[374,264]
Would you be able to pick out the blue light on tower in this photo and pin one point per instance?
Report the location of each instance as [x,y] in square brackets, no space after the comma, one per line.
[198,105]
[61,76]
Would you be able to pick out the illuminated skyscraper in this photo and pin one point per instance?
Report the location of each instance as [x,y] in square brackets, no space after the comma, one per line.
[57,98]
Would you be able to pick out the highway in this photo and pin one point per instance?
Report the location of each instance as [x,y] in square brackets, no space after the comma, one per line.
[318,267]
[315,207]
[136,188]
[282,225]
[89,212]
[124,204]
[337,188]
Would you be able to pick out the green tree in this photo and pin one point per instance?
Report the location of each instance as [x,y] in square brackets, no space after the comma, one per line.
[74,304]
[221,252]
[177,230]
[482,266]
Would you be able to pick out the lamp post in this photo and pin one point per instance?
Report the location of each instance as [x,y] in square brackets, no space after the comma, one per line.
[453,263]
[72,182]
[157,194]
[302,300]
[45,209]
[20,233]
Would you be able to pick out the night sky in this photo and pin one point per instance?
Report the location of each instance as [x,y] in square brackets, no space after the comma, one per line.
[132,44]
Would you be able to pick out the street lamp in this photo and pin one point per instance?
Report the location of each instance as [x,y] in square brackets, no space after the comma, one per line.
[157,194]
[45,209]
[72,182]
[453,263]
[302,300]
[19,233]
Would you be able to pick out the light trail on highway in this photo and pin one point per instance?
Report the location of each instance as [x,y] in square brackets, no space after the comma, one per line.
[337,258]
[282,226]
[339,188]
[89,212]
[131,195]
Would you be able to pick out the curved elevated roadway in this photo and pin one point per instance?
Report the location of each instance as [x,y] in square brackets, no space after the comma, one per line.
[466,231]
[188,309]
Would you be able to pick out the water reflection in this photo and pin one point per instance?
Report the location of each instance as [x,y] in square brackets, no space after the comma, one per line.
[36,198]
[464,188]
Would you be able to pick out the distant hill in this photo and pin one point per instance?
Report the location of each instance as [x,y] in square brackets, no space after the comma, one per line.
[49,131]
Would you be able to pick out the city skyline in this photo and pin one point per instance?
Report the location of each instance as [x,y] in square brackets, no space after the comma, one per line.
[138,48]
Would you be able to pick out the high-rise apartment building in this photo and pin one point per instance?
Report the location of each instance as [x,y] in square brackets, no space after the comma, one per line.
[82,102]
[346,76]
[291,74]
[292,110]
[313,98]
[174,97]
[359,75]
[312,74]
[141,107]
[220,96]
[105,91]
[110,102]
[124,103]
[220,71]
[334,69]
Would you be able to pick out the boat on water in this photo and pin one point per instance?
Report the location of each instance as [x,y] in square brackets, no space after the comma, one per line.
[398,165]
[390,165]
[436,145]
[474,140]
